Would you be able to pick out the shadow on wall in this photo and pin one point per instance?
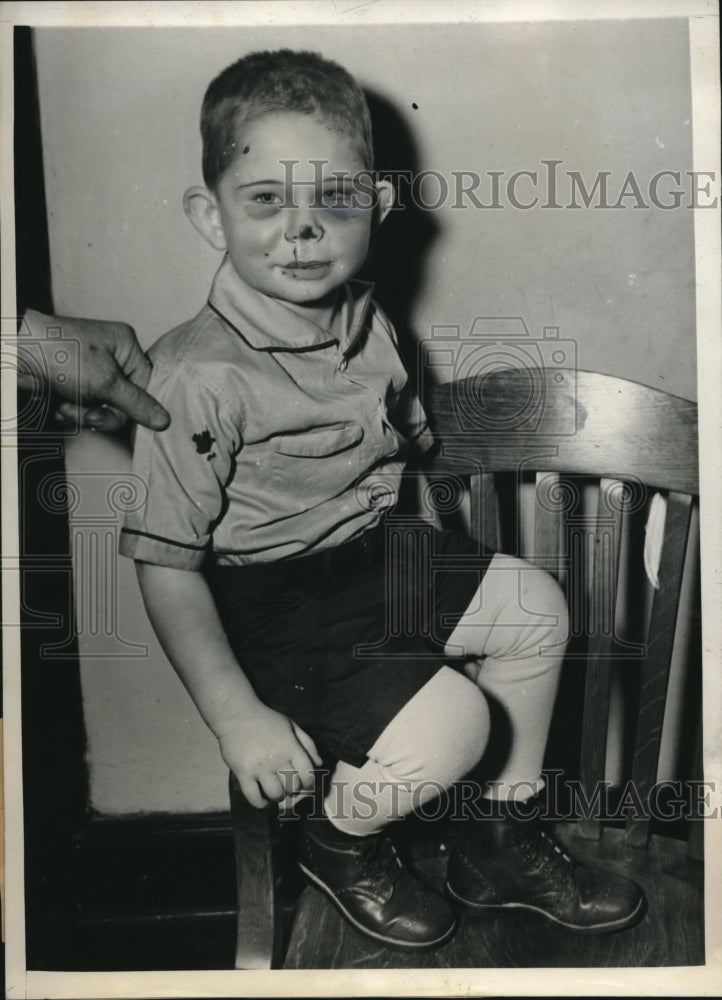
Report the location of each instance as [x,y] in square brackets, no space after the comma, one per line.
[396,263]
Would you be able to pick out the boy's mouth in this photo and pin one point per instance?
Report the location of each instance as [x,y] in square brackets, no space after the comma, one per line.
[307,270]
[305,265]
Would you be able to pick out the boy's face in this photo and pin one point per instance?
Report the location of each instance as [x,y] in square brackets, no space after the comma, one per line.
[295,224]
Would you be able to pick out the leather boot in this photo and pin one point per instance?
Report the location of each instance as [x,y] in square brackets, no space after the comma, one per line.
[507,863]
[366,881]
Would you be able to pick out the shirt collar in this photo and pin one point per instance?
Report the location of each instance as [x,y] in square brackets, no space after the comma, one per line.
[354,312]
[267,324]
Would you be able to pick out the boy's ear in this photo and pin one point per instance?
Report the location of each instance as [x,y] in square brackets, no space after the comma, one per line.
[201,207]
[384,201]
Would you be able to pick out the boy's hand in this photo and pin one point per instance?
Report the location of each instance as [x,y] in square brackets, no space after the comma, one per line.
[270,755]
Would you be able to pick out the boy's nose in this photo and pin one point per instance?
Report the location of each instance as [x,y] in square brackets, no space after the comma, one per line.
[304,230]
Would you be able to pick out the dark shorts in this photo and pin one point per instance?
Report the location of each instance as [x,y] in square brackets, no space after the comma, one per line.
[341,643]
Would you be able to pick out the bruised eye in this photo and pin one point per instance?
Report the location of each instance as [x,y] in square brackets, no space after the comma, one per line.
[267,198]
[337,198]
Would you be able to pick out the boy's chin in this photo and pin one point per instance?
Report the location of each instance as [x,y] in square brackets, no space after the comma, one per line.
[310,305]
[308,296]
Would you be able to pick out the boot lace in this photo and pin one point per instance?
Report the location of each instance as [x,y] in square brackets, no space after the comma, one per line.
[542,851]
[382,863]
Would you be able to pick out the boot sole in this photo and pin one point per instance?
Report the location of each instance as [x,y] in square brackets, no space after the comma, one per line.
[504,909]
[391,942]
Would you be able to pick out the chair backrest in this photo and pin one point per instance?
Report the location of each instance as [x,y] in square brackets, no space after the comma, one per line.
[597,449]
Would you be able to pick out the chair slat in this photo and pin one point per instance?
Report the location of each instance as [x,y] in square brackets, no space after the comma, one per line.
[600,649]
[485,510]
[550,510]
[655,669]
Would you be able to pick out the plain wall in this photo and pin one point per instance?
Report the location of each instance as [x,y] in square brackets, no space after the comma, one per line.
[119,111]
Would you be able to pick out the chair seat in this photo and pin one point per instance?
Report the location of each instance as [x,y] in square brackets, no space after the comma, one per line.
[670,934]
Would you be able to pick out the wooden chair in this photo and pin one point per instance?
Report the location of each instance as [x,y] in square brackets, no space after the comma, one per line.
[589,451]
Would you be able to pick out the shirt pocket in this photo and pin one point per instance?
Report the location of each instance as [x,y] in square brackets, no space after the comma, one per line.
[321,442]
[310,467]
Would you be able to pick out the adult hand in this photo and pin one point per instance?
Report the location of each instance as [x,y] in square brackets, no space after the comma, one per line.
[107,385]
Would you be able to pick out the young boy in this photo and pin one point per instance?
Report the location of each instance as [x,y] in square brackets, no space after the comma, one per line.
[261,552]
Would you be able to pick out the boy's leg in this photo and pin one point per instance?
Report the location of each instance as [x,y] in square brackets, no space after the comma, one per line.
[516,630]
[432,742]
[435,739]
[514,635]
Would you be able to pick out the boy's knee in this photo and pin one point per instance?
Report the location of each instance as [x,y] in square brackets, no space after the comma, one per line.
[459,732]
[468,723]
[542,596]
[532,610]
[442,734]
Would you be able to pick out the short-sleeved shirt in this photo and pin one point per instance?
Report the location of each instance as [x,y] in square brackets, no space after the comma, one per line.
[286,437]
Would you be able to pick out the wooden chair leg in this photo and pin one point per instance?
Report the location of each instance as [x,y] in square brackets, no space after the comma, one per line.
[256,841]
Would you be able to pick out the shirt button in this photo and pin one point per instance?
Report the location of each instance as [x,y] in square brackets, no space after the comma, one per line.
[343,365]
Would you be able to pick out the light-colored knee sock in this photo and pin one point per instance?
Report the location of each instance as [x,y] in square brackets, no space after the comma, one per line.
[516,631]
[436,738]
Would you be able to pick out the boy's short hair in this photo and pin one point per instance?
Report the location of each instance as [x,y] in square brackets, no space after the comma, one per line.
[286,80]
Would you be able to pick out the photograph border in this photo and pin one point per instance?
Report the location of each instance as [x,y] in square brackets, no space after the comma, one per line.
[704,54]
